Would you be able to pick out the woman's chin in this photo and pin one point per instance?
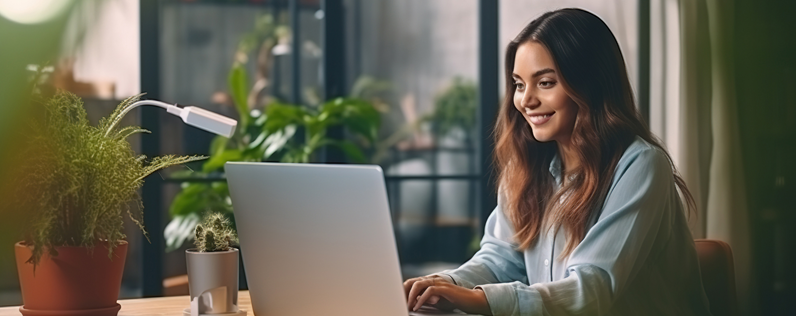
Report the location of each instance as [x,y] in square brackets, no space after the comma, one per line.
[541,137]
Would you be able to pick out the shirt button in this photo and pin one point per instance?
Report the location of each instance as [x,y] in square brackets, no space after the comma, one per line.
[546,262]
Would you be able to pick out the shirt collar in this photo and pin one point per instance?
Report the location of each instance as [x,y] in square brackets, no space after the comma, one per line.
[555,168]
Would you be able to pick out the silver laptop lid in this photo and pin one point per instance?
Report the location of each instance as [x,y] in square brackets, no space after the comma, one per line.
[316,239]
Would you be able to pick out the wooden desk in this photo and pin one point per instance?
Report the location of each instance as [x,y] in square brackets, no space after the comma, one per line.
[157,306]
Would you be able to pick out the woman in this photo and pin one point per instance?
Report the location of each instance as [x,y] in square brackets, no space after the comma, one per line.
[589,220]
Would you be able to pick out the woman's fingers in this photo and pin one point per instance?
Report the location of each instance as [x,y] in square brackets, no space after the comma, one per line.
[447,296]
[417,288]
[430,292]
[408,285]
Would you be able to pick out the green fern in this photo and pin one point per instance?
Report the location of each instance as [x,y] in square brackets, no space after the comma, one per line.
[79,180]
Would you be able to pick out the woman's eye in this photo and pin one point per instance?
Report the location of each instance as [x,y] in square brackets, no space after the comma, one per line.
[546,84]
[518,86]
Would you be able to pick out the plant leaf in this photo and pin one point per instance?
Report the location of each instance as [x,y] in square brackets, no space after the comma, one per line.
[217,162]
[351,150]
[191,199]
[282,115]
[258,141]
[359,117]
[276,141]
[218,145]
[179,230]
[238,85]
[130,130]
[167,161]
[108,124]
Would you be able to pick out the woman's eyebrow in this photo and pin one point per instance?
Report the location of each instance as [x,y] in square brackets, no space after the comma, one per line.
[535,74]
[542,72]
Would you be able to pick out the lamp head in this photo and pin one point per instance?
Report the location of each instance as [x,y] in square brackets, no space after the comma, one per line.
[208,121]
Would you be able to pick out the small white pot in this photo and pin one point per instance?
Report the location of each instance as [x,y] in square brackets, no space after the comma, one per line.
[213,282]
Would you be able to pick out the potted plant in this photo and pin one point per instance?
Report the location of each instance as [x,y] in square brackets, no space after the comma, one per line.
[77,181]
[268,135]
[271,136]
[213,268]
[454,111]
[269,130]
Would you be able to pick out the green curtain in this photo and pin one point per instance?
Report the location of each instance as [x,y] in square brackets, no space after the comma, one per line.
[710,153]
[693,109]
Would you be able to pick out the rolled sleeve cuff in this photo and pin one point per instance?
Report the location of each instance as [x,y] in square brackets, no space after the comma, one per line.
[459,278]
[510,299]
[447,277]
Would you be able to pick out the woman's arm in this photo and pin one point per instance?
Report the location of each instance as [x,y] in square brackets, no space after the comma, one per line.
[497,260]
[612,252]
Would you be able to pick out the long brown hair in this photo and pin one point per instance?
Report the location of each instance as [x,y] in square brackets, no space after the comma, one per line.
[593,74]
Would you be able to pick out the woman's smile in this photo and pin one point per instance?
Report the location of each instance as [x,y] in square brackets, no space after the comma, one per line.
[538,118]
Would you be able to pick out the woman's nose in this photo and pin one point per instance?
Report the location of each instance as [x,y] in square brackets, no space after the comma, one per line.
[530,101]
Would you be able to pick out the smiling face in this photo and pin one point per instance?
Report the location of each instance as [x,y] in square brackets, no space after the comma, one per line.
[539,95]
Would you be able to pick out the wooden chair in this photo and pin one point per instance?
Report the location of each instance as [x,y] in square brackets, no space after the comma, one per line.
[176,285]
[718,276]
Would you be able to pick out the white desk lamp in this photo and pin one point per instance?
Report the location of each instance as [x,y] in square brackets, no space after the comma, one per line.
[213,123]
[193,116]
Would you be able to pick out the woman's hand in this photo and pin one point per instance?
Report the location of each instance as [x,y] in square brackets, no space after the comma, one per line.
[434,300]
[438,292]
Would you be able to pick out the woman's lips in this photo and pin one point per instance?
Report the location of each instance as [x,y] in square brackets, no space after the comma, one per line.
[540,119]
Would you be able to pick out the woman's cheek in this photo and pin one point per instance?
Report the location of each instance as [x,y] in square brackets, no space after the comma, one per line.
[518,101]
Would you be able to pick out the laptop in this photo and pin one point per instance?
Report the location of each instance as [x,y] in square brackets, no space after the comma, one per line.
[317,240]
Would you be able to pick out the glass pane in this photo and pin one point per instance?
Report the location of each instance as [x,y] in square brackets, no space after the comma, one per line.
[200,43]
[427,52]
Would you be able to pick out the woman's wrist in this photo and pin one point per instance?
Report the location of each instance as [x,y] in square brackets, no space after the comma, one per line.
[445,277]
[481,296]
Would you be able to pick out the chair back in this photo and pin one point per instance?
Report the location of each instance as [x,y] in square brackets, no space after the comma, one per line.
[718,276]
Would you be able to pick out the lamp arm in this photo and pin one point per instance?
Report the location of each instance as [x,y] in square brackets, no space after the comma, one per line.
[191,115]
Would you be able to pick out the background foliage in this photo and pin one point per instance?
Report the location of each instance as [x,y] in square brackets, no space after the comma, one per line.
[279,132]
[454,108]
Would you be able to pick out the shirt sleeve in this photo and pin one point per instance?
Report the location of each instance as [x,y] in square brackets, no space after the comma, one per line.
[612,252]
[498,260]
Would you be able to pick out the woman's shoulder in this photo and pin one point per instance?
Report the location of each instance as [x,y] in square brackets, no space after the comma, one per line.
[646,155]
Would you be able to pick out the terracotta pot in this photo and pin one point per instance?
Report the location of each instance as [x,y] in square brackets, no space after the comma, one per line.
[79,281]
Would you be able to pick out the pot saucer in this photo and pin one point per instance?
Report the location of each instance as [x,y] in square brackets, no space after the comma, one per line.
[108,311]
[240,312]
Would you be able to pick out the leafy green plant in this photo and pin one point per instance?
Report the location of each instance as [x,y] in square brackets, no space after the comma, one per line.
[267,135]
[271,137]
[357,116]
[455,107]
[215,234]
[197,198]
[79,179]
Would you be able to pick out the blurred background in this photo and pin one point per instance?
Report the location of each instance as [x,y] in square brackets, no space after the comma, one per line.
[713,79]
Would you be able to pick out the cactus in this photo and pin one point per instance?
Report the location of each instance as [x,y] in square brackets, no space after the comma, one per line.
[215,234]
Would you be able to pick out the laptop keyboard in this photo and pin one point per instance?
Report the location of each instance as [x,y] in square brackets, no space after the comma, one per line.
[425,310]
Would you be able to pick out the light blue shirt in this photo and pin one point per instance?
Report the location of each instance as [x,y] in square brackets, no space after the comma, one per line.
[637,258]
